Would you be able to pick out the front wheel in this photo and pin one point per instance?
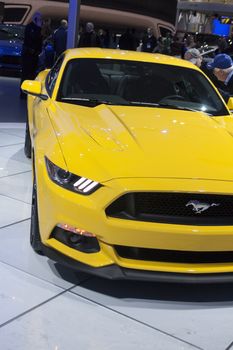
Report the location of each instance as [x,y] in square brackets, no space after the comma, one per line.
[35,239]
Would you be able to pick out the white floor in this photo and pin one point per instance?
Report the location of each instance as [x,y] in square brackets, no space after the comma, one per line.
[48,307]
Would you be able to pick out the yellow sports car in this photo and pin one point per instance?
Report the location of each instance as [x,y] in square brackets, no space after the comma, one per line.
[132,159]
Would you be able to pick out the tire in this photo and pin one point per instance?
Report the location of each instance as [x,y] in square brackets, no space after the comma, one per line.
[35,239]
[27,143]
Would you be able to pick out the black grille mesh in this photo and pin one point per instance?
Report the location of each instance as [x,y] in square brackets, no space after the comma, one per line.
[175,208]
[174,256]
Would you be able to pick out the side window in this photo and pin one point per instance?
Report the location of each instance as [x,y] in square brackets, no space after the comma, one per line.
[164,30]
[52,76]
[15,14]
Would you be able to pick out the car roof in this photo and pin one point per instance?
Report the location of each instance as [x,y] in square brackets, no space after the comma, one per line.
[127,55]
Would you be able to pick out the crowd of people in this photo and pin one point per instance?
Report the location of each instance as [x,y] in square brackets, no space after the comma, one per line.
[42,46]
[219,71]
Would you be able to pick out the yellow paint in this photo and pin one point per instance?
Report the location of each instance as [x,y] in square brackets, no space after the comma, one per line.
[130,149]
[31,86]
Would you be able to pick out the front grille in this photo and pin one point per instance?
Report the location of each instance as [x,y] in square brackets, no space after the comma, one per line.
[174,256]
[174,208]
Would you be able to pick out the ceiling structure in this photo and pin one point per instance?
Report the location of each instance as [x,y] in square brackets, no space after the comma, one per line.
[165,10]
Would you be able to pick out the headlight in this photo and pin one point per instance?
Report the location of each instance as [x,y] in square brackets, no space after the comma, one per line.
[70,181]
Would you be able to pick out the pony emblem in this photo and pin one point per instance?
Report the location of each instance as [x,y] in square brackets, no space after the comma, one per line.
[199,207]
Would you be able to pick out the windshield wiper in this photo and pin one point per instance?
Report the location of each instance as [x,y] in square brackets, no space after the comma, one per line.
[95,102]
[165,105]
[162,105]
[168,105]
[141,103]
[86,101]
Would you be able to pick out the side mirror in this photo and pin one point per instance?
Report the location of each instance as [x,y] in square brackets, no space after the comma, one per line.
[33,87]
[230,104]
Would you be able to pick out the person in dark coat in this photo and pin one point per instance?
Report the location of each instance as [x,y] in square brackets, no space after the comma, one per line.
[222,67]
[60,38]
[149,41]
[128,41]
[46,30]
[31,49]
[89,38]
[47,55]
[104,38]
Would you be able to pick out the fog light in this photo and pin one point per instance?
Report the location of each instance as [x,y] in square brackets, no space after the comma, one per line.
[76,238]
[79,231]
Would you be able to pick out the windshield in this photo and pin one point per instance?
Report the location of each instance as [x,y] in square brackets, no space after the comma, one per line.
[9,32]
[122,82]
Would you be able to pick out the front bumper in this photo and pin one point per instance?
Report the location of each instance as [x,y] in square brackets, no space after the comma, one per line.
[57,205]
[115,272]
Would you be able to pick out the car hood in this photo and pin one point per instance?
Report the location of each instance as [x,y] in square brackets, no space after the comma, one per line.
[109,142]
[10,45]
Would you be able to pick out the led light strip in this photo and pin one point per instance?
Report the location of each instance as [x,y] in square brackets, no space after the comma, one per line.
[85,185]
[90,187]
[80,181]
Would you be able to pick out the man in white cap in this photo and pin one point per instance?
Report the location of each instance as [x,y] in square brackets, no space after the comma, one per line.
[193,55]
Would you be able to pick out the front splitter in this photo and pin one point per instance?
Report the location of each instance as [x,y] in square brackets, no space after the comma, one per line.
[115,272]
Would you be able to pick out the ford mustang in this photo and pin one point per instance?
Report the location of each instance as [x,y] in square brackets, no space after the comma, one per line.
[11,41]
[132,167]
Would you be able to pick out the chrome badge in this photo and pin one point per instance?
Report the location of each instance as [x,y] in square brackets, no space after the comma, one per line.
[199,207]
